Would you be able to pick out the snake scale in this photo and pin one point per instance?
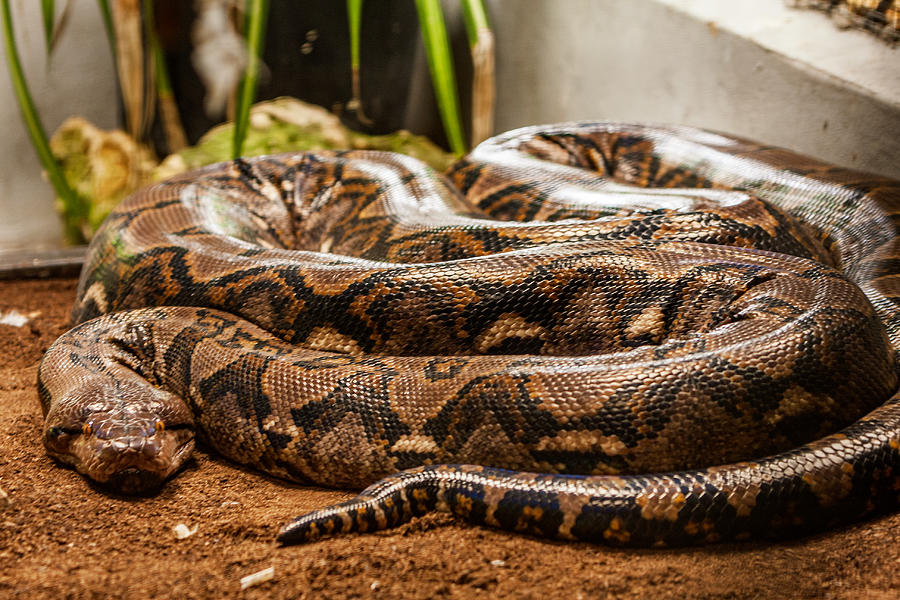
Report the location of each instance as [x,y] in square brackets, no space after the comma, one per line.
[565,336]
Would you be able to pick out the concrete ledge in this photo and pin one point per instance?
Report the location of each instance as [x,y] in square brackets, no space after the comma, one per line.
[851,57]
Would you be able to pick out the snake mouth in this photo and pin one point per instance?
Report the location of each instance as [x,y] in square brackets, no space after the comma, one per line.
[142,475]
[133,482]
[132,466]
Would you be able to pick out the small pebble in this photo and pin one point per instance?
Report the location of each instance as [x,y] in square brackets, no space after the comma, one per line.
[14,318]
[498,563]
[182,531]
[257,578]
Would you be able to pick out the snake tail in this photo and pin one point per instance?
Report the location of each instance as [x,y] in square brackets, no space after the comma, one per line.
[677,509]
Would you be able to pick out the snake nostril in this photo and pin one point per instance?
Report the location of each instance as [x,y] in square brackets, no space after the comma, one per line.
[120,446]
[130,446]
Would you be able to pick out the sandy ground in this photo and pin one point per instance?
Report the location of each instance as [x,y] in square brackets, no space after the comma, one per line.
[61,538]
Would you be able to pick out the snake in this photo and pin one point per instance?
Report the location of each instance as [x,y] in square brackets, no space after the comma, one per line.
[619,333]
[881,17]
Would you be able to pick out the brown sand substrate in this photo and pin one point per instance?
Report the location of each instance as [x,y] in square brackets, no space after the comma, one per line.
[61,538]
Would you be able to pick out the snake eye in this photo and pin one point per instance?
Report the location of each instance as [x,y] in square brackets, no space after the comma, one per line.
[54,432]
[160,426]
[86,429]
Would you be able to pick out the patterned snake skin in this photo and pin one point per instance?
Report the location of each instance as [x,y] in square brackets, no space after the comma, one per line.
[565,346]
[878,16]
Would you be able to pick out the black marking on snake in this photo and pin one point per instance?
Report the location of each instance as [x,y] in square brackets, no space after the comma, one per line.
[569,413]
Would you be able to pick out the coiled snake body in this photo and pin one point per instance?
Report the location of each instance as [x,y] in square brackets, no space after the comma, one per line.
[566,346]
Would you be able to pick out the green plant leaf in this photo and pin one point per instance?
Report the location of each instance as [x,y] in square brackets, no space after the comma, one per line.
[73,204]
[256,12]
[48,11]
[106,13]
[440,63]
[475,19]
[354,19]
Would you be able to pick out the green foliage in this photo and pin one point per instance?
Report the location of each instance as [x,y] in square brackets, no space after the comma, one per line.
[440,60]
[47,13]
[475,19]
[440,63]
[76,207]
[354,18]
[71,201]
[289,125]
[106,13]
[256,12]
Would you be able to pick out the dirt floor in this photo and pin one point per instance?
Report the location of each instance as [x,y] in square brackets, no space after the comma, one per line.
[61,538]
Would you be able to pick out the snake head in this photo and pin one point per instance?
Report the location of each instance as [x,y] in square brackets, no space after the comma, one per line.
[128,439]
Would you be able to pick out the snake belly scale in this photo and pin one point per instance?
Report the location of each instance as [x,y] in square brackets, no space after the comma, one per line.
[620,333]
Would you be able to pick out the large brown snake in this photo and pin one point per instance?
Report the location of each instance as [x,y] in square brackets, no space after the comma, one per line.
[600,299]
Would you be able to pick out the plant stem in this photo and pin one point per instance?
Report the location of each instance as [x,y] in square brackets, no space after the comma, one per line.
[131,65]
[48,11]
[73,204]
[256,16]
[440,63]
[354,20]
[481,45]
[176,139]
[106,13]
[475,19]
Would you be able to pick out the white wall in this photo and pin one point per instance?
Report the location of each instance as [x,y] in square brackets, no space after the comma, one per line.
[749,67]
[79,80]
